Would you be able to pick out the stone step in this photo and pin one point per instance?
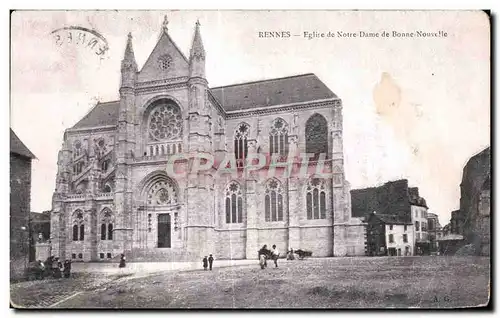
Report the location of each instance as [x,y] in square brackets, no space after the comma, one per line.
[161,255]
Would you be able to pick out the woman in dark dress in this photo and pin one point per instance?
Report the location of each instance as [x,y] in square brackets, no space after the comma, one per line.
[122,261]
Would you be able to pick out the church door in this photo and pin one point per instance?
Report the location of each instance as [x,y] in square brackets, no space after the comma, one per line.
[164,230]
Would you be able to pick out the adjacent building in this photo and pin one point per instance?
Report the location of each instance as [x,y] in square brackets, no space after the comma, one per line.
[402,203]
[434,230]
[20,198]
[115,193]
[389,235]
[419,219]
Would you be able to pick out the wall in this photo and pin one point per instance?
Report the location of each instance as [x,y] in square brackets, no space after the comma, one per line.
[397,231]
[20,198]
[476,177]
[43,251]
[419,213]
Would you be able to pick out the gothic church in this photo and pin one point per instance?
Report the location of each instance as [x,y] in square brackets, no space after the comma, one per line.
[114,195]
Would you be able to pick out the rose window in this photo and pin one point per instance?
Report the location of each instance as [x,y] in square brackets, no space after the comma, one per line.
[165,123]
[165,62]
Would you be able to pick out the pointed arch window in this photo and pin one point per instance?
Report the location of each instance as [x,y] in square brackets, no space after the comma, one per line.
[317,135]
[106,224]
[107,188]
[241,143]
[78,226]
[234,203]
[77,149]
[105,165]
[278,137]
[316,199]
[273,201]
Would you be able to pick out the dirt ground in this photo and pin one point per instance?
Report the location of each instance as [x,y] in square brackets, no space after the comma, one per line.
[430,282]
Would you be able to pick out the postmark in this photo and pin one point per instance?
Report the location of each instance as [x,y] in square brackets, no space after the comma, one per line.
[83,37]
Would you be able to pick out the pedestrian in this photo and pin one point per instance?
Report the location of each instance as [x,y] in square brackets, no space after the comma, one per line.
[205,263]
[275,255]
[67,268]
[210,261]
[56,268]
[263,253]
[122,261]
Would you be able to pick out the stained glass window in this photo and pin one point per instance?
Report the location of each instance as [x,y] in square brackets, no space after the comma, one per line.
[278,137]
[165,123]
[106,224]
[240,143]
[316,199]
[317,135]
[234,203]
[273,201]
[78,226]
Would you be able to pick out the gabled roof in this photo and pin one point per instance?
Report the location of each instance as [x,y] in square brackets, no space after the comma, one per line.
[271,92]
[18,147]
[164,46]
[103,114]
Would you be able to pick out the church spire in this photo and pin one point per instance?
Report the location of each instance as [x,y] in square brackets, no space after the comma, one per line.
[129,66]
[197,54]
[128,62]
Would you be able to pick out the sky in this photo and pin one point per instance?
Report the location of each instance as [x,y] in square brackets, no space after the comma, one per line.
[415,108]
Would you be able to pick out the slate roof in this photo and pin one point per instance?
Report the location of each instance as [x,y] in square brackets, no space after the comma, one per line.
[271,92]
[245,96]
[18,147]
[102,114]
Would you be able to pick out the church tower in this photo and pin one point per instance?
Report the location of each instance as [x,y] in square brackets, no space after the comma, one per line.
[125,145]
[200,227]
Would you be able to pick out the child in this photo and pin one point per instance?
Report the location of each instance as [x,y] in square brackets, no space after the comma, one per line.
[205,263]
[210,261]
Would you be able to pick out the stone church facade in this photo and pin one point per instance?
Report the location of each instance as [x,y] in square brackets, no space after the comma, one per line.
[115,194]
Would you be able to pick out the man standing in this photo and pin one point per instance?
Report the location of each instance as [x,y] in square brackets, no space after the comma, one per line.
[275,254]
[210,261]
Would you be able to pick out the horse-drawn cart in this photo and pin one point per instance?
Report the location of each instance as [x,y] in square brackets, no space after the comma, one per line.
[303,253]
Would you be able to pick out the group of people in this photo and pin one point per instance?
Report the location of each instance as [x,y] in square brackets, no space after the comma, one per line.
[208,262]
[265,253]
[59,268]
[52,267]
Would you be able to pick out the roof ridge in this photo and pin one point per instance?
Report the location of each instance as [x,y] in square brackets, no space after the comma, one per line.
[265,80]
[108,102]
